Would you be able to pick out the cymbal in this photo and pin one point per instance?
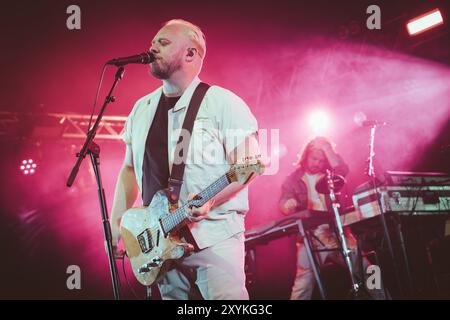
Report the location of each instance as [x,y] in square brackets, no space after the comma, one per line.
[322,185]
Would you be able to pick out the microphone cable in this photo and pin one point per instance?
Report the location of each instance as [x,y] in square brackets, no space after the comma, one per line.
[96,96]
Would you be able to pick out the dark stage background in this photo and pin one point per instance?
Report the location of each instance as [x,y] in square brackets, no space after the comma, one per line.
[285,59]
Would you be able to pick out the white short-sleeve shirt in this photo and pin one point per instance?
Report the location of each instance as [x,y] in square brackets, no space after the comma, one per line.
[223,122]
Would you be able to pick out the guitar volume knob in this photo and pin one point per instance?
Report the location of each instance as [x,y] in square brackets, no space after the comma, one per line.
[145,268]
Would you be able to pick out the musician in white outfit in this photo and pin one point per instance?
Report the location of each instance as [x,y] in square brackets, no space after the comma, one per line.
[224,133]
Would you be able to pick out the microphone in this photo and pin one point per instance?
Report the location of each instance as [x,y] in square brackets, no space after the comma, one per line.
[146,57]
[372,123]
[361,120]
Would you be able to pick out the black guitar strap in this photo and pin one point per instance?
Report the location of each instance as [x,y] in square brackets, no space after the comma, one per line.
[181,150]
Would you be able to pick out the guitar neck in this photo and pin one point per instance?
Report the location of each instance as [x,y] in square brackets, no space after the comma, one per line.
[180,216]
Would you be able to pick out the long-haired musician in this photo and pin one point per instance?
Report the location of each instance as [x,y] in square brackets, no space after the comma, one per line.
[299,193]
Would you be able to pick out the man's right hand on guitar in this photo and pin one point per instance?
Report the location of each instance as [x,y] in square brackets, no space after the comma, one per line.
[115,238]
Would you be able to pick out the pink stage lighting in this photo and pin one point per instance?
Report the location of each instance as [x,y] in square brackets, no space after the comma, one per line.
[424,22]
[28,167]
[319,121]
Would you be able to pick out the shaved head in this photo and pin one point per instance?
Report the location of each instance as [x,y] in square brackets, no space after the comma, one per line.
[193,32]
[178,46]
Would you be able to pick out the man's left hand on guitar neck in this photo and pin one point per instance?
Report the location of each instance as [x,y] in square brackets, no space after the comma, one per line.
[198,214]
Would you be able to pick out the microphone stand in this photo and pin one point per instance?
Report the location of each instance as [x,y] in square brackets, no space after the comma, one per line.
[342,240]
[378,195]
[91,148]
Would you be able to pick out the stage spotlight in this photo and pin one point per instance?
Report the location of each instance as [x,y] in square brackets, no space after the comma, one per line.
[319,121]
[424,22]
[28,167]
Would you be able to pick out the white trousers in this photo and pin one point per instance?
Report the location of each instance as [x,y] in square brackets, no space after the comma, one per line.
[213,273]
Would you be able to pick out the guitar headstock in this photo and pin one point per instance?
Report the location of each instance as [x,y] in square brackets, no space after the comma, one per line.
[244,171]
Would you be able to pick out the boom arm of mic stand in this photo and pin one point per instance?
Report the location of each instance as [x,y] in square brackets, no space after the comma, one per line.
[92,132]
[94,151]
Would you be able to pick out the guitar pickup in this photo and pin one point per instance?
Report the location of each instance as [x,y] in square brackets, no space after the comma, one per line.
[145,241]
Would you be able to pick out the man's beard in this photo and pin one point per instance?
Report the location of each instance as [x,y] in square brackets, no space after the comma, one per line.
[162,70]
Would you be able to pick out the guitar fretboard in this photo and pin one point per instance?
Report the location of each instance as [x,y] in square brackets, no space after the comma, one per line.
[180,216]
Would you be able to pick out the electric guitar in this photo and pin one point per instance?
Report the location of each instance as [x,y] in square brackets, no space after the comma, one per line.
[150,233]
